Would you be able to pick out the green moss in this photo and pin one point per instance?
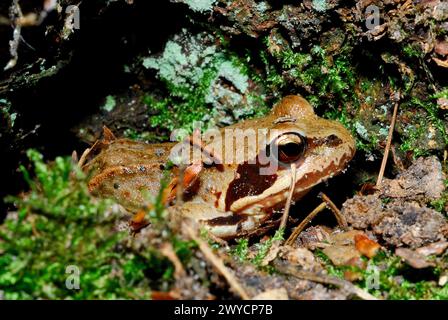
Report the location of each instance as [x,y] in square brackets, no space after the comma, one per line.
[143,136]
[441,203]
[320,73]
[426,125]
[320,5]
[241,250]
[200,5]
[412,51]
[58,225]
[110,104]
[204,83]
[393,282]
[8,117]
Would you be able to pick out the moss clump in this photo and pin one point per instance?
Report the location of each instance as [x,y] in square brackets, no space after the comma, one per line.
[427,131]
[328,81]
[320,74]
[203,83]
[8,118]
[110,104]
[59,226]
[393,278]
[200,5]
[241,250]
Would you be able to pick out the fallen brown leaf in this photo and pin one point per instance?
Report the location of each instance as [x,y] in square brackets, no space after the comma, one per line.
[366,246]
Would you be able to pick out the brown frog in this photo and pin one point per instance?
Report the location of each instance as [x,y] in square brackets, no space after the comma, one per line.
[235,195]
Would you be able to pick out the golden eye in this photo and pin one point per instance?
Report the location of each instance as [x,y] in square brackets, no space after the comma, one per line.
[290,147]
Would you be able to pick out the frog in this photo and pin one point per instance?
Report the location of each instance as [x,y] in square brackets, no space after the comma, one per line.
[235,198]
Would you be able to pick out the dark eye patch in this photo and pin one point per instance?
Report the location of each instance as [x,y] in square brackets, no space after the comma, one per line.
[333,141]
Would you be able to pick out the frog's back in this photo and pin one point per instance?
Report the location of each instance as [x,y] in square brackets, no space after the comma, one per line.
[126,170]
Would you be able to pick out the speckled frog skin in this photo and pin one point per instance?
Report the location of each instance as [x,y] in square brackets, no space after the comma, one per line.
[232,199]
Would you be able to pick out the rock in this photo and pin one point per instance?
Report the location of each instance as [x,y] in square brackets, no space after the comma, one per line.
[422,181]
[301,257]
[436,249]
[397,212]
[407,224]
[441,48]
[363,211]
[413,258]
[342,255]
[344,238]
[313,235]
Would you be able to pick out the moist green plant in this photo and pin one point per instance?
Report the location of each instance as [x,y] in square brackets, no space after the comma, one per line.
[241,249]
[203,82]
[58,226]
[393,281]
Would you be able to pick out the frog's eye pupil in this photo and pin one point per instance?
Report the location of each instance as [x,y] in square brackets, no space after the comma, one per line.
[290,152]
[289,148]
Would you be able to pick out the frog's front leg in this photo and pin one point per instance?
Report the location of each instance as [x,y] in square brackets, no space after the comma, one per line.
[222,224]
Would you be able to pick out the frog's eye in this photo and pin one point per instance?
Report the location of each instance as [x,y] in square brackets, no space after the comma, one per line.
[290,147]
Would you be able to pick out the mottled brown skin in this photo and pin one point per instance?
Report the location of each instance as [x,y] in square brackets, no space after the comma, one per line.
[233,199]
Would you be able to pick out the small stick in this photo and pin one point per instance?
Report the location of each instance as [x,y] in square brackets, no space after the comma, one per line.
[180,185]
[168,251]
[275,247]
[304,222]
[289,199]
[325,279]
[337,213]
[388,143]
[217,262]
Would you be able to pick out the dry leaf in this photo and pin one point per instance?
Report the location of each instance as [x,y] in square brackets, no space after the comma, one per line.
[366,246]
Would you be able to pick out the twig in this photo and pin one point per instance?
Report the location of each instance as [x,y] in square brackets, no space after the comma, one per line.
[275,247]
[388,143]
[167,250]
[304,223]
[217,262]
[19,20]
[337,213]
[15,14]
[325,279]
[180,185]
[289,199]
